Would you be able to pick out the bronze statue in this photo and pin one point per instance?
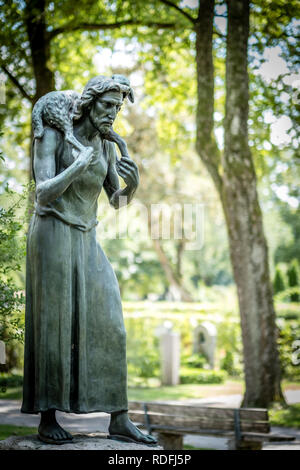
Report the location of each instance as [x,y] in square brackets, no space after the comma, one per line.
[75,340]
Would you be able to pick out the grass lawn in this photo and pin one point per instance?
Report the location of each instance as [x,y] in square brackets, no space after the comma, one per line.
[185,391]
[179,392]
[11,393]
[7,430]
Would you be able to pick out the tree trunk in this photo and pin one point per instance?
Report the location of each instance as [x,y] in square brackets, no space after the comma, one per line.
[248,247]
[40,56]
[39,46]
[206,145]
[174,281]
[179,252]
[235,180]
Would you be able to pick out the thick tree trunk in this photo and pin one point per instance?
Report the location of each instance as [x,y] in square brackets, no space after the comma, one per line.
[39,46]
[40,56]
[236,183]
[248,247]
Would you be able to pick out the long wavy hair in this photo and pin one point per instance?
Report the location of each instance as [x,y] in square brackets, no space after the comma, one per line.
[99,85]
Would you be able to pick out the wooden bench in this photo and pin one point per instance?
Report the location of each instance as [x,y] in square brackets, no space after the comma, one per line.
[245,428]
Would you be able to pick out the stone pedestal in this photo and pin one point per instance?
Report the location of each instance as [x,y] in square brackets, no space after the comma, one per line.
[96,441]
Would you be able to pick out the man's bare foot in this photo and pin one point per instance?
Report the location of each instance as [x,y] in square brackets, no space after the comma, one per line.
[50,431]
[122,428]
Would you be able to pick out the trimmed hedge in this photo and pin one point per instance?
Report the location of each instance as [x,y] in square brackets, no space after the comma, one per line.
[11,380]
[202,376]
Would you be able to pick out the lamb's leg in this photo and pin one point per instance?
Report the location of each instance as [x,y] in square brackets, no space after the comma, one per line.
[114,137]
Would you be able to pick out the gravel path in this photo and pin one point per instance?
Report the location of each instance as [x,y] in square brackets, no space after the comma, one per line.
[98,422]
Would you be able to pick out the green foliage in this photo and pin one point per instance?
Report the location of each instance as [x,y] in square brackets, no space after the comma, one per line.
[8,430]
[279,284]
[287,294]
[195,360]
[10,380]
[231,364]
[13,393]
[142,350]
[202,376]
[287,311]
[230,347]
[10,306]
[169,81]
[286,417]
[172,99]
[289,248]
[138,271]
[288,323]
[12,253]
[144,320]
[294,279]
[289,332]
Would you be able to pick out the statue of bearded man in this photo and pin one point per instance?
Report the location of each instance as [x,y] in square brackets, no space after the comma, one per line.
[75,340]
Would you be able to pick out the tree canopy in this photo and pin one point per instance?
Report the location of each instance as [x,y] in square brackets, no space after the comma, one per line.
[182,56]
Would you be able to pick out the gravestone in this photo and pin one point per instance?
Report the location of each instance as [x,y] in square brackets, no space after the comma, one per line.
[2,353]
[170,355]
[205,339]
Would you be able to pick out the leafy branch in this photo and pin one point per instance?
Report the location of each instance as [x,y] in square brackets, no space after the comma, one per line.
[71,27]
[17,84]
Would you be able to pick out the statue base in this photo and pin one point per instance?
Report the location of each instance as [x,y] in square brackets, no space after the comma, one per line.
[94,441]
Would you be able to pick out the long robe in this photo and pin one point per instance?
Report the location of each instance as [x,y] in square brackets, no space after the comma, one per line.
[75,340]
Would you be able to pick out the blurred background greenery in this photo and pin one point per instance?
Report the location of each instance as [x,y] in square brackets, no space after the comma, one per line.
[162,280]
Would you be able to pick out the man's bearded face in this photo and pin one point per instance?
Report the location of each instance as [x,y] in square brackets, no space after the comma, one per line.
[105,109]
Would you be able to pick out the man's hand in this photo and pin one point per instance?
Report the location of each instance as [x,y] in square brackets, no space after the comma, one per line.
[126,167]
[128,170]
